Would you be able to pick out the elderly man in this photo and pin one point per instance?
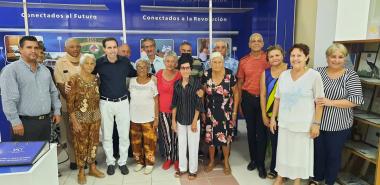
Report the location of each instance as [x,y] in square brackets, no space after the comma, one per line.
[114,104]
[197,70]
[124,50]
[156,62]
[229,63]
[251,67]
[65,68]
[28,93]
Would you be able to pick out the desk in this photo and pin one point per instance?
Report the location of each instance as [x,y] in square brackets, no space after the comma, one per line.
[43,172]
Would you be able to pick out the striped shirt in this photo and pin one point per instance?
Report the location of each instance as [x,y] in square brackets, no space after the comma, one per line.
[186,100]
[27,93]
[347,87]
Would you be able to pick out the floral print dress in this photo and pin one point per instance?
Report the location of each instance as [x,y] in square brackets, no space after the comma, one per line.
[219,106]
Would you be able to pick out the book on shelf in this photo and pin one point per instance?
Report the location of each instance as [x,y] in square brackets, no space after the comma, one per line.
[22,153]
[362,148]
[349,179]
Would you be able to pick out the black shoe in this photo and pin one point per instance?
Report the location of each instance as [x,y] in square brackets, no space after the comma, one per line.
[124,169]
[111,169]
[251,166]
[262,172]
[73,166]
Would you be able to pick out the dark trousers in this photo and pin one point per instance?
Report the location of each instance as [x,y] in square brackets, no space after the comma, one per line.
[256,130]
[328,148]
[273,140]
[34,130]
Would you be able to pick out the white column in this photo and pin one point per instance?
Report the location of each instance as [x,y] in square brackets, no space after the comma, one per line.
[123,22]
[26,23]
[210,24]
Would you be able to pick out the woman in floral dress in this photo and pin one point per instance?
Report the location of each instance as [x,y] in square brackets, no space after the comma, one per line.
[221,93]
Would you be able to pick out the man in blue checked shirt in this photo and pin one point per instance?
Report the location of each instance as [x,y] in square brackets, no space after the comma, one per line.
[229,63]
[28,94]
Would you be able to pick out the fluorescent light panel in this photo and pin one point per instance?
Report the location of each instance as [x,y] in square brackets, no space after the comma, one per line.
[192,9]
[55,6]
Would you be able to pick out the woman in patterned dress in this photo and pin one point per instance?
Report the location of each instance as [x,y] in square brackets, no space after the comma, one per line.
[221,93]
[268,85]
[83,108]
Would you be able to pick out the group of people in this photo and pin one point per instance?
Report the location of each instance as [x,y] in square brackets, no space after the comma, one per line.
[176,103]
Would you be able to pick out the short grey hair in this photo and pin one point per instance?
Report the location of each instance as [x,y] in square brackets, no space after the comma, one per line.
[256,35]
[85,57]
[171,54]
[70,40]
[222,41]
[216,55]
[143,61]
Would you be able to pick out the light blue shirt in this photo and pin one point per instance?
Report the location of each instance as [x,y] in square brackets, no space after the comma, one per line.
[27,93]
[158,63]
[229,63]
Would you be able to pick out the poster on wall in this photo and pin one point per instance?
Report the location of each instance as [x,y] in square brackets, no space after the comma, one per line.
[12,52]
[204,43]
[367,65]
[163,46]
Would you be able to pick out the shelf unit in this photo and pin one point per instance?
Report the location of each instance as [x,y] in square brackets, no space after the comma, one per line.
[372,120]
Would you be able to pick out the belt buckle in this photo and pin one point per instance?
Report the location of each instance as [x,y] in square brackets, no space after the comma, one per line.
[41,117]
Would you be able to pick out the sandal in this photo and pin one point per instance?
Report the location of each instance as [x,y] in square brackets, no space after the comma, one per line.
[227,170]
[178,174]
[313,182]
[192,176]
[210,167]
[272,175]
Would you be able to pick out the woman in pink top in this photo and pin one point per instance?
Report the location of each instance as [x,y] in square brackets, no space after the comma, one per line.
[165,85]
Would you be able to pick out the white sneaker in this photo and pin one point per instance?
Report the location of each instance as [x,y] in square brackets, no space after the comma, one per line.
[138,167]
[148,169]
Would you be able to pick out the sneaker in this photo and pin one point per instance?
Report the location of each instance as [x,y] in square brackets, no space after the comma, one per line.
[124,169]
[138,167]
[167,164]
[148,169]
[111,169]
[176,165]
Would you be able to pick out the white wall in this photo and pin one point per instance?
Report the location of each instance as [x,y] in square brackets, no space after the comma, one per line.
[325,29]
[352,19]
[339,20]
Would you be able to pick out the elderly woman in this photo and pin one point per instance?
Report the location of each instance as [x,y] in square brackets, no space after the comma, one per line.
[268,85]
[144,117]
[83,108]
[165,85]
[299,117]
[221,95]
[343,91]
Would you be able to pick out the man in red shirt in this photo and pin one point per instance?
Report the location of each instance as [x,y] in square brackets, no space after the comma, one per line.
[250,69]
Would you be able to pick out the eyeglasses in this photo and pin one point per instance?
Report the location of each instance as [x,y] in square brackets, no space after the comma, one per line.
[185,68]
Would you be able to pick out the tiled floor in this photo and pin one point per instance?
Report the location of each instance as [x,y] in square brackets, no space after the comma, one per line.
[238,160]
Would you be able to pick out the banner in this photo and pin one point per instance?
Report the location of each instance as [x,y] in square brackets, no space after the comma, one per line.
[169,21]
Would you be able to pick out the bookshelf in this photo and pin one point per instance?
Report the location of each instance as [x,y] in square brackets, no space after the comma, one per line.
[369,116]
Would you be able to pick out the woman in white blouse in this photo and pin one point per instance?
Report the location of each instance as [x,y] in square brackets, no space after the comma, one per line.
[298,117]
[144,117]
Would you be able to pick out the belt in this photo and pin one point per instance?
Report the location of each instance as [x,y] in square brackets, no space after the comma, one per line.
[40,117]
[114,99]
[253,95]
